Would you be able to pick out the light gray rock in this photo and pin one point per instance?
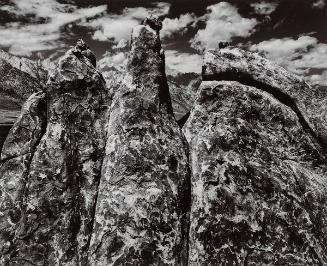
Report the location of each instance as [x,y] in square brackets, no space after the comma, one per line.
[16,157]
[55,222]
[258,181]
[251,69]
[142,207]
[15,86]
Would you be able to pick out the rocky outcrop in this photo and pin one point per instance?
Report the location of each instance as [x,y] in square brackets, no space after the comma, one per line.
[101,173]
[183,88]
[16,157]
[258,173]
[34,69]
[15,86]
[57,181]
[20,78]
[251,69]
[141,214]
[88,182]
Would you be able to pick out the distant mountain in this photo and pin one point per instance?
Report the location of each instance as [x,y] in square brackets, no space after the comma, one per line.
[20,77]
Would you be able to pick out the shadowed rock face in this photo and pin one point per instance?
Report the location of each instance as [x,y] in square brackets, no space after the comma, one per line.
[91,175]
[141,214]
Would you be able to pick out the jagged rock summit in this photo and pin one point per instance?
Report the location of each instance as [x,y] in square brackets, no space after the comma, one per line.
[102,174]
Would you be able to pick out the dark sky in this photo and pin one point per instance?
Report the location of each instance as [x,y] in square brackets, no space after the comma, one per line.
[291,32]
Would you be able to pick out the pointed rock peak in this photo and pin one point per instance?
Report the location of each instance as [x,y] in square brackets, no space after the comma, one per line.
[78,63]
[154,22]
[80,44]
[81,49]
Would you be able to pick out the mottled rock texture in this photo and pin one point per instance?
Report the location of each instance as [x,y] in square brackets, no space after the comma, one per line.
[141,214]
[100,173]
[183,88]
[258,172]
[251,69]
[15,85]
[34,69]
[54,186]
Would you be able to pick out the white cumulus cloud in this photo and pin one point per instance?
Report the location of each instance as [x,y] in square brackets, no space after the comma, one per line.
[297,55]
[223,22]
[319,4]
[183,62]
[176,25]
[23,39]
[119,26]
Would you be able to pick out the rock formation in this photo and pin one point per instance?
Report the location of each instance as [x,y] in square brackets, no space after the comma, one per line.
[57,180]
[15,85]
[141,214]
[253,70]
[258,170]
[95,173]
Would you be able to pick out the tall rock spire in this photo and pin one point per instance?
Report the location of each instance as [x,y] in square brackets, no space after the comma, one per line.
[143,201]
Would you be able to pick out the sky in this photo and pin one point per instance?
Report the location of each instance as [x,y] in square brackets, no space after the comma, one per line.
[291,32]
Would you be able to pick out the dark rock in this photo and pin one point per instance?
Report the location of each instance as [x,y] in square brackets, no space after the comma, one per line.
[16,157]
[223,44]
[154,22]
[100,173]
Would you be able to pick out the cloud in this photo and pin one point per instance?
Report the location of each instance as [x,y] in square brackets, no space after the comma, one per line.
[318,79]
[283,50]
[319,4]
[183,62]
[117,27]
[176,25]
[264,8]
[297,55]
[23,39]
[118,60]
[223,22]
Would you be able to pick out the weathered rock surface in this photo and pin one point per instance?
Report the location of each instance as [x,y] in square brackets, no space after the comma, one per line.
[258,180]
[53,223]
[141,214]
[34,69]
[95,173]
[16,156]
[251,69]
[15,86]
[183,88]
